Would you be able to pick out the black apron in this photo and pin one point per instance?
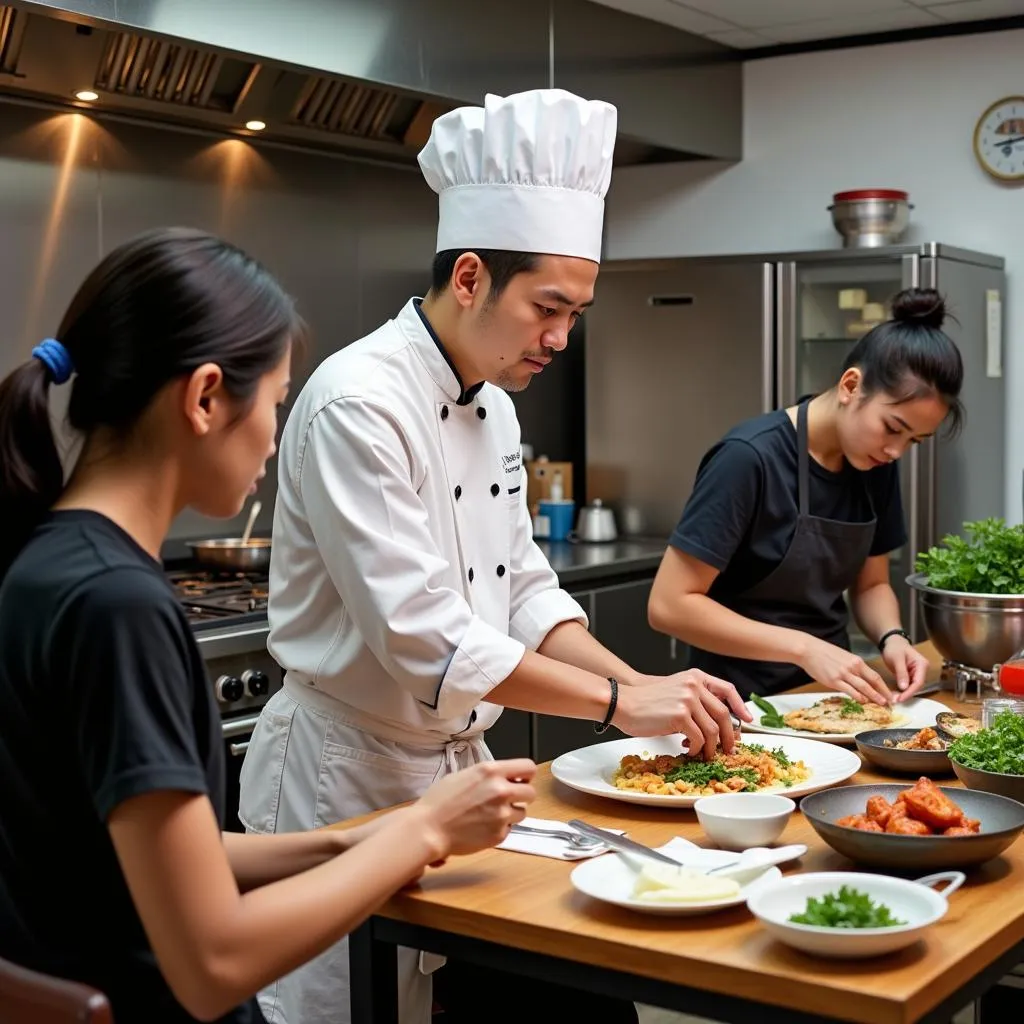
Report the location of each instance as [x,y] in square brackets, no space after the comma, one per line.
[804,591]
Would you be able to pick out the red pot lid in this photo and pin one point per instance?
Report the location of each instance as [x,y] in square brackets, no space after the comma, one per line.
[869,193]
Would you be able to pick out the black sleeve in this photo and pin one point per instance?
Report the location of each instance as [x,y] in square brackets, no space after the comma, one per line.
[890,529]
[125,656]
[725,500]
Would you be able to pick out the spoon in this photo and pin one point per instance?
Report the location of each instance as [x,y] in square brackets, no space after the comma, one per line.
[756,860]
[253,513]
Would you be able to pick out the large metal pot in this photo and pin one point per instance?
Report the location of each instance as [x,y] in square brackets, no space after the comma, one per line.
[232,555]
[870,216]
[978,630]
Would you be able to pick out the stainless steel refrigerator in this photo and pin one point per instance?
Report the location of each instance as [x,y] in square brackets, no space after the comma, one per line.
[680,350]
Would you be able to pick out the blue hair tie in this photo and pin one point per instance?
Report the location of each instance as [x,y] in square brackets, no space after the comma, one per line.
[56,358]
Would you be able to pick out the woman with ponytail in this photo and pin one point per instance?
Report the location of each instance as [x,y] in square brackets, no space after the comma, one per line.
[177,351]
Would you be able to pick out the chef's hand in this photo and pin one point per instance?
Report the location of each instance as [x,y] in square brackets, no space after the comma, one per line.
[692,703]
[473,809]
[907,664]
[841,670]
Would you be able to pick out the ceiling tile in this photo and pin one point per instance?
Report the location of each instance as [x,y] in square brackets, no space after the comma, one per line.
[740,38]
[670,13]
[831,28]
[760,13]
[972,10]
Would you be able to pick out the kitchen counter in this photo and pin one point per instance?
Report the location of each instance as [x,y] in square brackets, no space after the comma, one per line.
[580,562]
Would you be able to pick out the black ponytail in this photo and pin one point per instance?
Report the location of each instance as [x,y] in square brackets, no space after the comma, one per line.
[31,475]
[155,309]
[910,356]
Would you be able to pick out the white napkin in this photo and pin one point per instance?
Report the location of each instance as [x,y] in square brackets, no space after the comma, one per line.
[549,846]
[691,855]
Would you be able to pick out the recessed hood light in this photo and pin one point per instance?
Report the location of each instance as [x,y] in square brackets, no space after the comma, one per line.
[86,95]
[255,126]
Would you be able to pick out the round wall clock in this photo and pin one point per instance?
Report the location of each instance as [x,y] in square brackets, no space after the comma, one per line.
[999,139]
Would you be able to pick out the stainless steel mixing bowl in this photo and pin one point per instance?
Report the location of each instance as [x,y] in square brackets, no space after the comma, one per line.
[978,630]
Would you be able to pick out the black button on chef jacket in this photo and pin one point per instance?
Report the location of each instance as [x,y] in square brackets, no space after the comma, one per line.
[742,514]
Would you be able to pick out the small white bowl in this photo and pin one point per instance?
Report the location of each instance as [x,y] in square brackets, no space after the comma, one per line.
[736,821]
[915,903]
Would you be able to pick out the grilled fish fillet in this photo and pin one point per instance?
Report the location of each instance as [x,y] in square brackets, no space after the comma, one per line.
[827,716]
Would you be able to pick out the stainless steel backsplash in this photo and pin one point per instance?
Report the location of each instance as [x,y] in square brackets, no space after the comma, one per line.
[351,241]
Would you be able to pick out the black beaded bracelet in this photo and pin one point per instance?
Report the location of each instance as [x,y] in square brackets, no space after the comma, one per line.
[892,632]
[611,707]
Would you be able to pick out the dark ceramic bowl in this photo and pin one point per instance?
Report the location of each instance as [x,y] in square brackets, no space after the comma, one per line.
[1002,821]
[991,782]
[904,762]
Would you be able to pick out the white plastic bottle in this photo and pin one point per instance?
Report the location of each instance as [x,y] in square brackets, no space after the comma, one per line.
[557,490]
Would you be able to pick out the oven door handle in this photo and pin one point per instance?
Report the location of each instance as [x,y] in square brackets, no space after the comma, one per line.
[239,726]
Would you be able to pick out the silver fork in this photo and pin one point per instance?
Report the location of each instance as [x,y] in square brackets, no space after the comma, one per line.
[572,838]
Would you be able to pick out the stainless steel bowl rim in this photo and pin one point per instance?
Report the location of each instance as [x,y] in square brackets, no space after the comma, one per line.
[230,543]
[917,581]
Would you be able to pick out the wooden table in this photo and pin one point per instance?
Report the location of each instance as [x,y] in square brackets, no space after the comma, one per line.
[520,913]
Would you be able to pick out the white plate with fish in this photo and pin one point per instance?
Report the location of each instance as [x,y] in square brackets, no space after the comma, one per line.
[598,769]
[835,718]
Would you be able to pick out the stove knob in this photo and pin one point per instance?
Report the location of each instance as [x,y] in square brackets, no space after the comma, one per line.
[256,682]
[229,689]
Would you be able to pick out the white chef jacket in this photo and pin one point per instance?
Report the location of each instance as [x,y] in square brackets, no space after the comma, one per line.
[404,580]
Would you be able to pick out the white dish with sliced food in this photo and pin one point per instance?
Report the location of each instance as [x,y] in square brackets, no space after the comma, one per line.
[596,768]
[654,888]
[835,718]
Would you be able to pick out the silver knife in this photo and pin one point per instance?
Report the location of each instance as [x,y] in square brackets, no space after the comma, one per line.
[621,842]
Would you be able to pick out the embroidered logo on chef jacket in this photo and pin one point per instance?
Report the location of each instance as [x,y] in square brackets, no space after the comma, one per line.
[513,464]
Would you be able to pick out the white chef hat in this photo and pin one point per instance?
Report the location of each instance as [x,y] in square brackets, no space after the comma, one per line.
[525,173]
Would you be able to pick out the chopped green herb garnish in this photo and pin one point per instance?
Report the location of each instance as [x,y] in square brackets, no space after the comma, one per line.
[999,748]
[754,748]
[702,773]
[851,707]
[847,909]
[780,755]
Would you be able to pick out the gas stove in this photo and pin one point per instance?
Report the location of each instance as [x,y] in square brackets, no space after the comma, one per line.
[216,598]
[228,615]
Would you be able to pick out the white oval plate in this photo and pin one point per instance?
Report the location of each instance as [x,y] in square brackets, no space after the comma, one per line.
[915,714]
[590,769]
[611,878]
[918,905]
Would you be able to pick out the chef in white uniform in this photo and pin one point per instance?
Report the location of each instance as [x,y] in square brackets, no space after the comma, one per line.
[408,601]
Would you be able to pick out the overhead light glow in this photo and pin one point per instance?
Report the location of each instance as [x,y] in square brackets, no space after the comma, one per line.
[86,95]
[255,126]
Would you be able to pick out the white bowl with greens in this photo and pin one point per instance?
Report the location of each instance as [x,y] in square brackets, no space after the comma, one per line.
[849,915]
[992,759]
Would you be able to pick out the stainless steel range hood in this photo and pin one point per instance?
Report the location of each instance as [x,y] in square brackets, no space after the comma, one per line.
[370,75]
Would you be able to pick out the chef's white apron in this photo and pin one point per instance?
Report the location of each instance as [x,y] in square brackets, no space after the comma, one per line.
[328,769]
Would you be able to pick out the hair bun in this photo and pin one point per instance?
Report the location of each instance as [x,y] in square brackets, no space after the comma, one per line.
[924,306]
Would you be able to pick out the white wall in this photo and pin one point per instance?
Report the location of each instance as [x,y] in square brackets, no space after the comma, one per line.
[894,116]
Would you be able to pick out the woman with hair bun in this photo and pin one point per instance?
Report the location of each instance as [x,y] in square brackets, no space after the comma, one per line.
[794,509]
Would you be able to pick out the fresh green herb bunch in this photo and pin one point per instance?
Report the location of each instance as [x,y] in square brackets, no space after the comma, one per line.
[990,560]
[847,909]
[999,748]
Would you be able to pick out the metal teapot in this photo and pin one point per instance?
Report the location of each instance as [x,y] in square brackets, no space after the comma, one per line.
[595,524]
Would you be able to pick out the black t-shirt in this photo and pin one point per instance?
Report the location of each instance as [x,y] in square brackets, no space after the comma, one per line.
[103,696]
[742,514]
